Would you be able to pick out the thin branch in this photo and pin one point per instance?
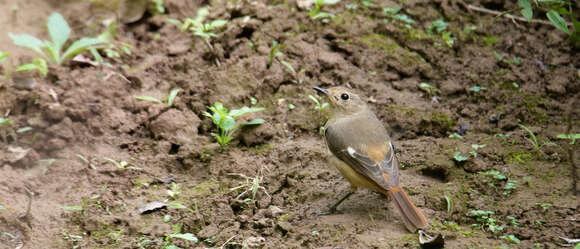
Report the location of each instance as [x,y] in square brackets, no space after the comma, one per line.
[510,16]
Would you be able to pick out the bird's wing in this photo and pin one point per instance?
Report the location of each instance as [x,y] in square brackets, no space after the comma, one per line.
[377,162]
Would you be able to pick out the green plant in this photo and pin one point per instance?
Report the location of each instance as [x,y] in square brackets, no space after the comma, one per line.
[438,27]
[571,137]
[3,56]
[455,136]
[509,187]
[38,64]
[513,221]
[52,51]
[554,11]
[510,238]
[120,165]
[198,27]
[476,147]
[516,60]
[111,47]
[319,106]
[485,220]
[477,89]
[534,140]
[317,13]
[174,191]
[168,101]
[458,157]
[496,177]
[393,13]
[178,235]
[545,205]
[429,89]
[226,121]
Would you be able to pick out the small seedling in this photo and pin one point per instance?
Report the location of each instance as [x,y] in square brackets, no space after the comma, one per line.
[459,158]
[553,10]
[111,47]
[534,140]
[571,137]
[315,233]
[485,220]
[477,89]
[317,104]
[429,89]
[393,13]
[317,13]
[455,136]
[496,177]
[510,238]
[438,27]
[174,191]
[52,51]
[168,101]
[513,221]
[545,205]
[199,28]
[178,235]
[509,187]
[449,204]
[274,52]
[476,147]
[119,165]
[226,121]
[516,60]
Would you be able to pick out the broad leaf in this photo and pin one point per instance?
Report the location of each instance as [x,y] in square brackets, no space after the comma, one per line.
[228,123]
[3,56]
[80,46]
[176,205]
[245,110]
[558,21]
[217,23]
[59,30]
[256,122]
[526,11]
[185,236]
[28,41]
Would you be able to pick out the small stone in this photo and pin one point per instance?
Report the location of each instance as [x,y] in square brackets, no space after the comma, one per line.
[275,211]
[151,206]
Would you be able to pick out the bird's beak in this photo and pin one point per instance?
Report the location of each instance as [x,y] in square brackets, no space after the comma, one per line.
[321,90]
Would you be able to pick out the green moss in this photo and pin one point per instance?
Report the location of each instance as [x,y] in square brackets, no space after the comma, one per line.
[379,42]
[442,119]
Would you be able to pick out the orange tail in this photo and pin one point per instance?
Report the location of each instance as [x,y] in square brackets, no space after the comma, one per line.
[412,216]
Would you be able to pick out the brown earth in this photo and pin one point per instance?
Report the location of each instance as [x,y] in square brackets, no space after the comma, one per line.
[91,112]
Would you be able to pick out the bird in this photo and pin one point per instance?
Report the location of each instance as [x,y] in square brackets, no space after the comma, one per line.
[363,152]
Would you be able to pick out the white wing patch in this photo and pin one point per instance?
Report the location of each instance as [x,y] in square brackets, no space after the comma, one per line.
[350,151]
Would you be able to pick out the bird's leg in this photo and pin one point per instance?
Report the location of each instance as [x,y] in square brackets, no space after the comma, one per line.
[332,209]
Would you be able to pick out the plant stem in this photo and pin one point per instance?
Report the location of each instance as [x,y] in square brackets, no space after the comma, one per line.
[217,61]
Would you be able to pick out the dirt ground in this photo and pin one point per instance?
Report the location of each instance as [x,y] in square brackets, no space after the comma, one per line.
[58,190]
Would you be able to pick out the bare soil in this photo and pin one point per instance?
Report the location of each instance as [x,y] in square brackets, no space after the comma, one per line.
[91,112]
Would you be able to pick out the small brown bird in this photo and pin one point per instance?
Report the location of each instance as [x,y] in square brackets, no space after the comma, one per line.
[363,152]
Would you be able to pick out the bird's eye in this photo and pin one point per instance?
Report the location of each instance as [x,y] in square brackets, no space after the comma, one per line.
[344,96]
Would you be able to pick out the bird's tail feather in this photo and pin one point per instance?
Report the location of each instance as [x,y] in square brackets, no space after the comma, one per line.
[412,216]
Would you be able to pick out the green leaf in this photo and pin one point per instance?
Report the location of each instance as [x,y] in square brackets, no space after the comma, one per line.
[172,96]
[321,15]
[256,122]
[217,23]
[329,2]
[176,205]
[185,236]
[59,30]
[28,41]
[558,21]
[289,66]
[527,11]
[73,208]
[228,123]
[244,110]
[458,157]
[3,56]
[148,98]
[80,46]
